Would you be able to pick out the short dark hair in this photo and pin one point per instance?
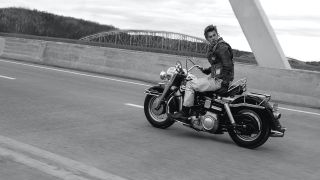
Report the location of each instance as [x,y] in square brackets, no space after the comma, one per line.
[209,29]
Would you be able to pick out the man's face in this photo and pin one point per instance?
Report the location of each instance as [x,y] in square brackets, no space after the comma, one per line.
[212,37]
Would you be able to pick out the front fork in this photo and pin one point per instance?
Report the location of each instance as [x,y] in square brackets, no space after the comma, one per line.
[180,99]
[163,95]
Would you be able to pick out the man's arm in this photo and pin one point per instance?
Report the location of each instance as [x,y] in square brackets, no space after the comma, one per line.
[227,65]
[210,55]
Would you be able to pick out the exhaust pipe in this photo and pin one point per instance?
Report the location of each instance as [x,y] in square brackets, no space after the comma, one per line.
[275,133]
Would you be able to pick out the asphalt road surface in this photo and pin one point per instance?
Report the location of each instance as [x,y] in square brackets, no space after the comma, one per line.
[51,116]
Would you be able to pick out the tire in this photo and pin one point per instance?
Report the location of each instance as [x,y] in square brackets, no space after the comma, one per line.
[157,118]
[258,129]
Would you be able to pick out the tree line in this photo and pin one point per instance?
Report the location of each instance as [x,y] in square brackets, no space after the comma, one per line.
[34,22]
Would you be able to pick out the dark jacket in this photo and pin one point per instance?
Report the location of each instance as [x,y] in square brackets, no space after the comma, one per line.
[220,56]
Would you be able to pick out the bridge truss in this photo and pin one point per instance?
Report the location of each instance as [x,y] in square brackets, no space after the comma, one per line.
[161,40]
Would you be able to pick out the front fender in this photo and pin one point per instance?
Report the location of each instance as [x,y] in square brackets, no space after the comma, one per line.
[154,90]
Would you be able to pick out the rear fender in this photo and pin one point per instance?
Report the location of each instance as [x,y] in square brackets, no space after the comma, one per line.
[255,103]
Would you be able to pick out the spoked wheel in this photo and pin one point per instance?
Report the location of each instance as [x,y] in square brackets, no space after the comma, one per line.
[252,130]
[156,117]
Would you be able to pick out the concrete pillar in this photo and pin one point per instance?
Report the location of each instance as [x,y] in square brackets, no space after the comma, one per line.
[259,33]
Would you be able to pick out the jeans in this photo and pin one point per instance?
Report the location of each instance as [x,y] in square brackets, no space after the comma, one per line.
[200,85]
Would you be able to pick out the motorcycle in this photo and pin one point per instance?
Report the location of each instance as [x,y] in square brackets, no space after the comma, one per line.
[249,118]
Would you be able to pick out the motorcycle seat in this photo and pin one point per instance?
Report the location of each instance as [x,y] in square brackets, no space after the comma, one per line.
[232,91]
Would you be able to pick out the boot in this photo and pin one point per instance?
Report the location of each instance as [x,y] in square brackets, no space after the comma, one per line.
[182,115]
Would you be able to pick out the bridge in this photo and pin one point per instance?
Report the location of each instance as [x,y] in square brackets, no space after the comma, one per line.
[162,40]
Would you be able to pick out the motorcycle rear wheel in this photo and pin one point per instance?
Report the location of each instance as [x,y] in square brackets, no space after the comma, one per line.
[256,133]
[157,118]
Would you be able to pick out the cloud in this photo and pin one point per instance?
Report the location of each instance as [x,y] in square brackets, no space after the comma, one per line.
[293,19]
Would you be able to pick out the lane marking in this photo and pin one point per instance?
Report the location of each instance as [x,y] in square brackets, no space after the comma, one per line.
[71,165]
[118,80]
[307,112]
[77,73]
[41,166]
[133,105]
[295,110]
[7,77]
[138,106]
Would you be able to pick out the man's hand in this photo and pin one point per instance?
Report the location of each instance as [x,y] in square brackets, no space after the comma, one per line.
[205,70]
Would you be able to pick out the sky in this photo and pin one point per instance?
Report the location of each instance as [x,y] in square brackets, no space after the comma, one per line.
[296,22]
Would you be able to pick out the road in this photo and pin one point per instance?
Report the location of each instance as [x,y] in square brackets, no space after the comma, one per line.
[97,122]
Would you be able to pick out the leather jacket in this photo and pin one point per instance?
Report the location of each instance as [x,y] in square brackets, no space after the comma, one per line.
[220,57]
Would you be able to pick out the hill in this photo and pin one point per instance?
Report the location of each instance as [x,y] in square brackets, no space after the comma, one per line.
[20,22]
[297,64]
[34,22]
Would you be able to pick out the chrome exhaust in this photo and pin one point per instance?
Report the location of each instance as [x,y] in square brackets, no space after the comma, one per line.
[275,133]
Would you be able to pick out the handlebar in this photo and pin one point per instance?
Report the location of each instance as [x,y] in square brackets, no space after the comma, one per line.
[194,64]
[194,67]
[179,68]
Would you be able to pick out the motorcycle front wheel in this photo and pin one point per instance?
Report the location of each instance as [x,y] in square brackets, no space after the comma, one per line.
[156,117]
[255,131]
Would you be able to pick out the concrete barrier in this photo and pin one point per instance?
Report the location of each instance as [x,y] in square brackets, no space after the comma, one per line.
[291,86]
[22,49]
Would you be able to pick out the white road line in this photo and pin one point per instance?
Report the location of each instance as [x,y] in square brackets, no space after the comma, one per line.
[7,77]
[133,105]
[307,112]
[77,73]
[138,106]
[69,164]
[118,80]
[44,167]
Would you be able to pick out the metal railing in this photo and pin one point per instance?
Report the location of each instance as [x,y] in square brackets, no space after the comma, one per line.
[161,40]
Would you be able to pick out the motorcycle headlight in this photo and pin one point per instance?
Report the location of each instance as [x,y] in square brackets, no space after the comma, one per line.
[170,72]
[163,75]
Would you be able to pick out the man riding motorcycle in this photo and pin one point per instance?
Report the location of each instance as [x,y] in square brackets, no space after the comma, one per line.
[222,72]
[220,57]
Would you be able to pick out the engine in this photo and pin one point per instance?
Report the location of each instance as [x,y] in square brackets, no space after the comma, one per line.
[207,122]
